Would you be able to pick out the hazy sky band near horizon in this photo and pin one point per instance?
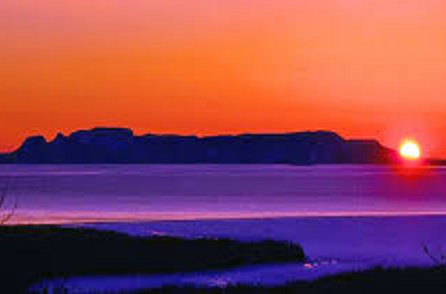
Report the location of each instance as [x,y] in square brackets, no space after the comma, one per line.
[367,69]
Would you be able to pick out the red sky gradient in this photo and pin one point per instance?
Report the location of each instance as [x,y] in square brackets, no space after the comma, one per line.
[367,69]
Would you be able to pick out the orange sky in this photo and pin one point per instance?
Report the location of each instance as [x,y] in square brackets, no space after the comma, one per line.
[368,69]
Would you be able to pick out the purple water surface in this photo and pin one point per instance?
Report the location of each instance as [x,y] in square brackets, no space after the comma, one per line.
[345,217]
[64,193]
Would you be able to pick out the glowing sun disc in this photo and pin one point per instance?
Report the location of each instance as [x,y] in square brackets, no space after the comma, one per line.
[410,150]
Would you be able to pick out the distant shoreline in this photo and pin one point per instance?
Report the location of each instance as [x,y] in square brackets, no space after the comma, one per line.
[32,219]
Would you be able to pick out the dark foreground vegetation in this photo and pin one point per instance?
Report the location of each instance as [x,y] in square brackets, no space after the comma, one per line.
[29,254]
[414,280]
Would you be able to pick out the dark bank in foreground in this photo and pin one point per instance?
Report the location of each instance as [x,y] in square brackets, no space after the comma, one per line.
[114,145]
[391,281]
[30,254]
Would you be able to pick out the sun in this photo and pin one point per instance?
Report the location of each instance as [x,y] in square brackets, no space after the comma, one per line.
[410,150]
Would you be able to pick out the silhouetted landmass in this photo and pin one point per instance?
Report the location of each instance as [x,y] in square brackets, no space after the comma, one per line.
[382,281]
[5,158]
[106,145]
[435,162]
[31,253]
